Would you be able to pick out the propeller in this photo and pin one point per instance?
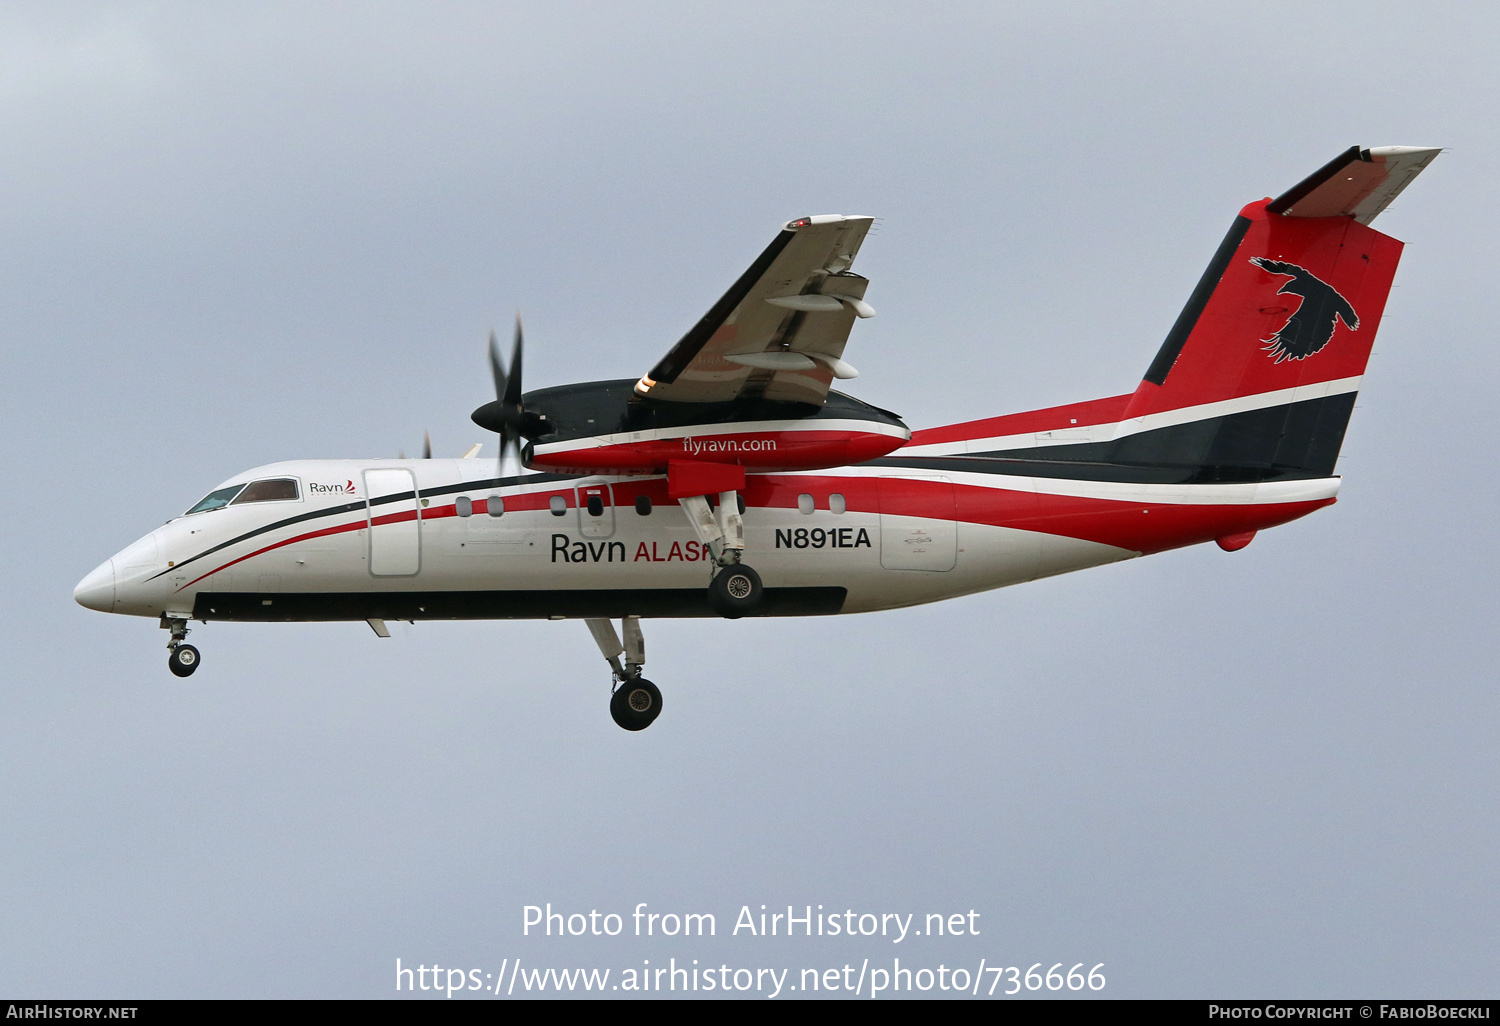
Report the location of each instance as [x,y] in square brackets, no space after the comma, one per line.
[426,448]
[506,416]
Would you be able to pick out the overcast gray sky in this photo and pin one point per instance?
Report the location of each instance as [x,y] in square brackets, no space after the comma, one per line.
[231,234]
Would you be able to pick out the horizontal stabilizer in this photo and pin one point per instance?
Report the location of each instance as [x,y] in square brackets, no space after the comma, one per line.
[1357,183]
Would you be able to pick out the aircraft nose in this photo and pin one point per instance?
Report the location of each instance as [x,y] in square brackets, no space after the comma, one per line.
[97,590]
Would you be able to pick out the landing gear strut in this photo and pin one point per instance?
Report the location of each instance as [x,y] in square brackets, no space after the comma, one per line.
[181,659]
[735,589]
[634,701]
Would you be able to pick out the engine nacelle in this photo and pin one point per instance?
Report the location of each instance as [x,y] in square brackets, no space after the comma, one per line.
[603,428]
[755,446]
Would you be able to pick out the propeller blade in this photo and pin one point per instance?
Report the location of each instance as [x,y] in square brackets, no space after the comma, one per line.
[496,367]
[426,445]
[510,455]
[512,391]
[507,413]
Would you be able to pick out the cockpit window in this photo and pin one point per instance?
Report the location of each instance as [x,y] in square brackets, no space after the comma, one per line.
[213,500]
[274,489]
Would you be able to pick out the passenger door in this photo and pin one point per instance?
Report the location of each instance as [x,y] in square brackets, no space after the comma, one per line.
[395,525]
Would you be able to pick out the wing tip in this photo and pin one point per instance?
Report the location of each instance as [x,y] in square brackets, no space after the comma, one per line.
[1384,154]
[813,220]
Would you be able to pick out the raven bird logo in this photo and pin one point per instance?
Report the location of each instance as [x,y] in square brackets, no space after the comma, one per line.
[1311,325]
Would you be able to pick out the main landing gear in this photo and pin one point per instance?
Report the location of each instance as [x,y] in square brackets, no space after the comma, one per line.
[735,589]
[634,701]
[181,659]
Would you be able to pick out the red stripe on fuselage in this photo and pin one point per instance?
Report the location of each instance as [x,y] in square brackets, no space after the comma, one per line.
[1143,527]
[1054,418]
[325,532]
[1138,526]
[522,502]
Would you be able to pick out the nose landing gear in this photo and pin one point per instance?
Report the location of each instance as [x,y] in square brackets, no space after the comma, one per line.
[634,701]
[182,659]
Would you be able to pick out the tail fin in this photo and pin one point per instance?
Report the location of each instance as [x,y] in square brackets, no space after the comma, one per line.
[1257,378]
[1265,359]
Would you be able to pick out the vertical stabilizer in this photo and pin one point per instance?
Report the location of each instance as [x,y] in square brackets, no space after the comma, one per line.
[1282,321]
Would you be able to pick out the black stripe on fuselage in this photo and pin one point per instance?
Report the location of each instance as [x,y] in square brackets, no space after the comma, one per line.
[1291,441]
[500,605]
[350,507]
[1288,442]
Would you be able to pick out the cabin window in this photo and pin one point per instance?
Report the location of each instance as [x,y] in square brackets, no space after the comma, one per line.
[278,489]
[463,506]
[494,505]
[805,504]
[215,499]
[558,505]
[836,503]
[643,505]
[596,506]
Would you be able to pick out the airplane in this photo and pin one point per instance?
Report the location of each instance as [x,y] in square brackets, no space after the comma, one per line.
[626,500]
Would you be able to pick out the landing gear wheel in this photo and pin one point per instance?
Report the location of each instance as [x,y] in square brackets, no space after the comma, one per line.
[735,591]
[635,704]
[183,660]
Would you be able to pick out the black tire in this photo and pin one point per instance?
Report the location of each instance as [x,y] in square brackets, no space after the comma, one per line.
[635,704]
[183,660]
[735,591]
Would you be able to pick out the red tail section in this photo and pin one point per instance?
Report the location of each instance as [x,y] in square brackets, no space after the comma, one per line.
[1258,376]
[1288,301]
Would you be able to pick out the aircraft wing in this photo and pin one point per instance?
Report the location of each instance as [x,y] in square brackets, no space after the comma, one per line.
[779,332]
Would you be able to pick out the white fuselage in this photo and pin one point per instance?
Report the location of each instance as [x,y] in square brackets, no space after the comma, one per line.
[337,541]
[368,539]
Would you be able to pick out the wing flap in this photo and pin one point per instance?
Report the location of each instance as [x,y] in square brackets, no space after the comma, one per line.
[798,297]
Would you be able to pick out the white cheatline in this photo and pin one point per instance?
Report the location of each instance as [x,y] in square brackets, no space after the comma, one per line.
[1245,494]
[753,427]
[1239,404]
[1070,434]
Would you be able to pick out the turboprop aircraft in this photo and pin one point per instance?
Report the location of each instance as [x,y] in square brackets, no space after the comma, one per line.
[733,480]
